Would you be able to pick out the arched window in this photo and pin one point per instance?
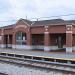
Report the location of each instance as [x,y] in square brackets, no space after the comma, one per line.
[21,38]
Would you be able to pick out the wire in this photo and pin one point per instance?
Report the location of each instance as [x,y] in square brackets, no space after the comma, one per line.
[54,16]
[38,18]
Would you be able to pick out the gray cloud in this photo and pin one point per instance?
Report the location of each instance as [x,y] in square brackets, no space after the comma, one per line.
[15,9]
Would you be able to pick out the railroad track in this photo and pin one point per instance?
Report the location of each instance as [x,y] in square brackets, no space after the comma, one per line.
[29,61]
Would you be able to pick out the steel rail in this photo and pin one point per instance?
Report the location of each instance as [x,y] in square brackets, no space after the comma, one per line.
[39,63]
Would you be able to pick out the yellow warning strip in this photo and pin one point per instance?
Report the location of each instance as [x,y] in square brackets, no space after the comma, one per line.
[68,59]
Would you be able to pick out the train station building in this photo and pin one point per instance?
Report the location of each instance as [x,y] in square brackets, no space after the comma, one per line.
[46,35]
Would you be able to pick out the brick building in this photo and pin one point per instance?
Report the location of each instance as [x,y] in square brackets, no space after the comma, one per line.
[42,35]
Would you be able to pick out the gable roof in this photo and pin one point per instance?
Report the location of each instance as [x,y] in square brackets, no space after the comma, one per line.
[44,22]
[27,21]
[70,21]
[9,26]
[48,22]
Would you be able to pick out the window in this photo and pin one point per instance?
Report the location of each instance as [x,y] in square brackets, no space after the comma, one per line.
[21,38]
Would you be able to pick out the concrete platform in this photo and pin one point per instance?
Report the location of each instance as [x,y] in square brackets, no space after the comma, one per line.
[61,55]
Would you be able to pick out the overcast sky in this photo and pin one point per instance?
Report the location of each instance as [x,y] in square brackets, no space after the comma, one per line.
[15,9]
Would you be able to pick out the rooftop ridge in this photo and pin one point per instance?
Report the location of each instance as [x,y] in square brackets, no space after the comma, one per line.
[44,22]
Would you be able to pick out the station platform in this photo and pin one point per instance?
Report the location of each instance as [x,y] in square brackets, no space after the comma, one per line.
[59,55]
